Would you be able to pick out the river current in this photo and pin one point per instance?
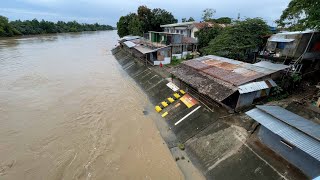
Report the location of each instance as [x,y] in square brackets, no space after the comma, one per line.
[68,111]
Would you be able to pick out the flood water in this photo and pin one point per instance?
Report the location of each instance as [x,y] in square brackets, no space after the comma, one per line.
[68,111]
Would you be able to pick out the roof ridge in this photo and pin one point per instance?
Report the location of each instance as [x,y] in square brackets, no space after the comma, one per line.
[308,134]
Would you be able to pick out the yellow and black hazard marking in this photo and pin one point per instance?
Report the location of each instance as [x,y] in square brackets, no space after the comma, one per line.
[171,100]
[158,108]
[182,92]
[161,106]
[164,114]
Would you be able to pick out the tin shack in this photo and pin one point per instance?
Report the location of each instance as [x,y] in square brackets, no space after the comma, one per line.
[291,136]
[230,83]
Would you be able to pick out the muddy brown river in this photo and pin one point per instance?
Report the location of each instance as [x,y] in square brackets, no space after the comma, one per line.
[68,111]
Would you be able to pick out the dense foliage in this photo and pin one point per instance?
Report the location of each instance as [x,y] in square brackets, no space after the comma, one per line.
[34,26]
[222,20]
[187,20]
[206,34]
[6,28]
[301,15]
[235,41]
[143,21]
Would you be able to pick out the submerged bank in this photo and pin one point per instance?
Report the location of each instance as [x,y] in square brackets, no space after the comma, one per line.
[220,145]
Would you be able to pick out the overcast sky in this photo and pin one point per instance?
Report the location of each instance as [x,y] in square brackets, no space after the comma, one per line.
[109,11]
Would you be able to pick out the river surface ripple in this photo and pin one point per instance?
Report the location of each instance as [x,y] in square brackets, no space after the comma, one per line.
[68,111]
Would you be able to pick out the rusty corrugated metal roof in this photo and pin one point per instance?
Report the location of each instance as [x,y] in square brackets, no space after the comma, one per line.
[216,89]
[232,71]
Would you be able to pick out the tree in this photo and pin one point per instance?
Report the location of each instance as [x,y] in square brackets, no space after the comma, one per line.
[136,26]
[208,14]
[143,21]
[145,16]
[28,27]
[6,29]
[301,15]
[123,24]
[187,20]
[160,17]
[235,41]
[206,34]
[223,20]
[190,19]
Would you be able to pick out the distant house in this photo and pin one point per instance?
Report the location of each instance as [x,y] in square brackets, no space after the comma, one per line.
[291,136]
[296,48]
[230,83]
[159,47]
[295,44]
[179,28]
[152,53]
[187,29]
[180,44]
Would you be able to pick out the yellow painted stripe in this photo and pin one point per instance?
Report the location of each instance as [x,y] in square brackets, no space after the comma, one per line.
[182,91]
[164,114]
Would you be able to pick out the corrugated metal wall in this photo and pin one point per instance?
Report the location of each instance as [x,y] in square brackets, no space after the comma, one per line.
[309,165]
[246,99]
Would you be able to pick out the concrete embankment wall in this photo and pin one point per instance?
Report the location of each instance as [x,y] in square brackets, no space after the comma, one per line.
[214,143]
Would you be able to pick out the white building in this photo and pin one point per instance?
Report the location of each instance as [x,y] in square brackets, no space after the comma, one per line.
[188,29]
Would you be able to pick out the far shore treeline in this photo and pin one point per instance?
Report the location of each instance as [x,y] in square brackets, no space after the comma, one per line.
[33,27]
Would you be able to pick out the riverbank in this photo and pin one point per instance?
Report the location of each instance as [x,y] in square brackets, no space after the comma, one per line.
[215,141]
[35,27]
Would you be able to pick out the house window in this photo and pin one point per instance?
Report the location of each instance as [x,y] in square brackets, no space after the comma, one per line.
[281,45]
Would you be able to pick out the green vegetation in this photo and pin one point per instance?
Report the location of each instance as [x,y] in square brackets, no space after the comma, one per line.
[6,29]
[301,15]
[207,14]
[206,34]
[181,146]
[175,61]
[34,26]
[278,94]
[187,20]
[222,20]
[143,21]
[235,41]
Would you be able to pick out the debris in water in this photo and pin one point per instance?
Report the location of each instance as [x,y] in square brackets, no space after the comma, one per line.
[145,112]
[181,146]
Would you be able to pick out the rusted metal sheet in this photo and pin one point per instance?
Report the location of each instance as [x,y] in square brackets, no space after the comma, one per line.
[212,87]
[219,77]
[232,71]
[196,65]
